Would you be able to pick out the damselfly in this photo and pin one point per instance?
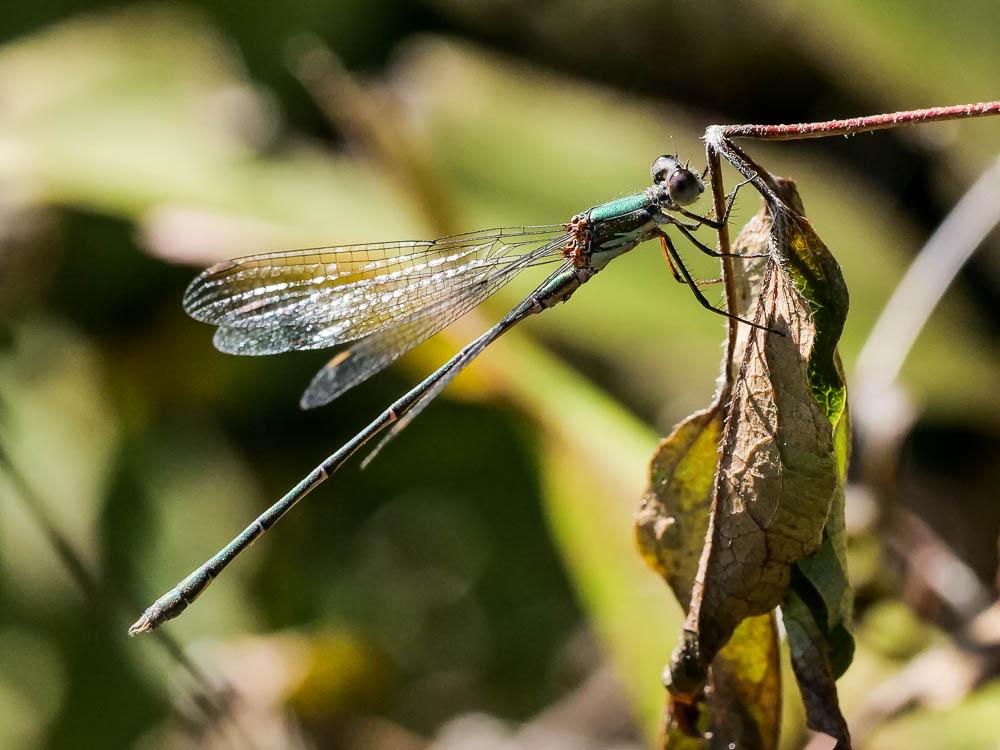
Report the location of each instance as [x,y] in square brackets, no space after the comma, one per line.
[389,297]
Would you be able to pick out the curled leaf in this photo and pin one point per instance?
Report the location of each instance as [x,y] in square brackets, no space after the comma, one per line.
[744,694]
[777,494]
[817,613]
[744,697]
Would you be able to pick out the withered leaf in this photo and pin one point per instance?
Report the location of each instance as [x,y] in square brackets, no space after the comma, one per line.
[779,476]
[743,707]
[673,515]
[817,611]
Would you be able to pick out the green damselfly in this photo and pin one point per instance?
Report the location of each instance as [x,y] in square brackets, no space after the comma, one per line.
[389,297]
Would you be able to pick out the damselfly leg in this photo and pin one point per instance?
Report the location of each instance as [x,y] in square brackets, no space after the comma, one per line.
[715,223]
[673,269]
[693,285]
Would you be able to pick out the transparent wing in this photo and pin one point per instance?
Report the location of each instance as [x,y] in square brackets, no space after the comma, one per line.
[440,380]
[474,285]
[374,353]
[355,365]
[310,299]
[470,353]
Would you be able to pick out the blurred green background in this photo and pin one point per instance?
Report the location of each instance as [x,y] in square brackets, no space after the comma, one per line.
[477,584]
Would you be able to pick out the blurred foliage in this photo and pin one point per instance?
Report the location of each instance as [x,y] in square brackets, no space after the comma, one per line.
[468,568]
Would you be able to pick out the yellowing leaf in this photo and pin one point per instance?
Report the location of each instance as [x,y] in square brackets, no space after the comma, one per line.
[744,699]
[673,516]
[744,704]
[775,515]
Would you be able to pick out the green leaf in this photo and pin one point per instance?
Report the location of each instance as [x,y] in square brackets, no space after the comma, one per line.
[821,579]
[817,612]
[807,641]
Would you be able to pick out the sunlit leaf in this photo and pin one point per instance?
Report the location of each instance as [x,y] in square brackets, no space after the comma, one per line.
[673,517]
[779,478]
[744,700]
[817,611]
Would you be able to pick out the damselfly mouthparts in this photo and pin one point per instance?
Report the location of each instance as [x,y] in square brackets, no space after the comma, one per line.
[389,297]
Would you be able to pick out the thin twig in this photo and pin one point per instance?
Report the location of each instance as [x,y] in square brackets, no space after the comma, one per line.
[940,676]
[759,177]
[719,198]
[363,119]
[884,412]
[855,125]
[716,145]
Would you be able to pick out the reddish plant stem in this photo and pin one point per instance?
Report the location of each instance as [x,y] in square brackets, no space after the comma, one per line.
[719,196]
[855,125]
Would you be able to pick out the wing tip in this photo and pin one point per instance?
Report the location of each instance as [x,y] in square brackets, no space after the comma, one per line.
[195,297]
[324,387]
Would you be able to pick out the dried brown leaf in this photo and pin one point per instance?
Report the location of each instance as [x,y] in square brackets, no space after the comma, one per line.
[744,695]
[779,475]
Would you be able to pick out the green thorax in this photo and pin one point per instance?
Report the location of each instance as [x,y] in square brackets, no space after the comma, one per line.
[620,207]
[618,226]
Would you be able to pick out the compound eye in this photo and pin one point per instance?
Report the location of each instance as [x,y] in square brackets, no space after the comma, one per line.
[663,167]
[684,187]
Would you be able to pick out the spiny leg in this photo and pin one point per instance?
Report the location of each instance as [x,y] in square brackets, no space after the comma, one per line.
[714,224]
[693,286]
[666,256]
[673,269]
[709,251]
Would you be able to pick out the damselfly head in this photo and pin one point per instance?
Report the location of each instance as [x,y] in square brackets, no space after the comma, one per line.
[664,166]
[682,185]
